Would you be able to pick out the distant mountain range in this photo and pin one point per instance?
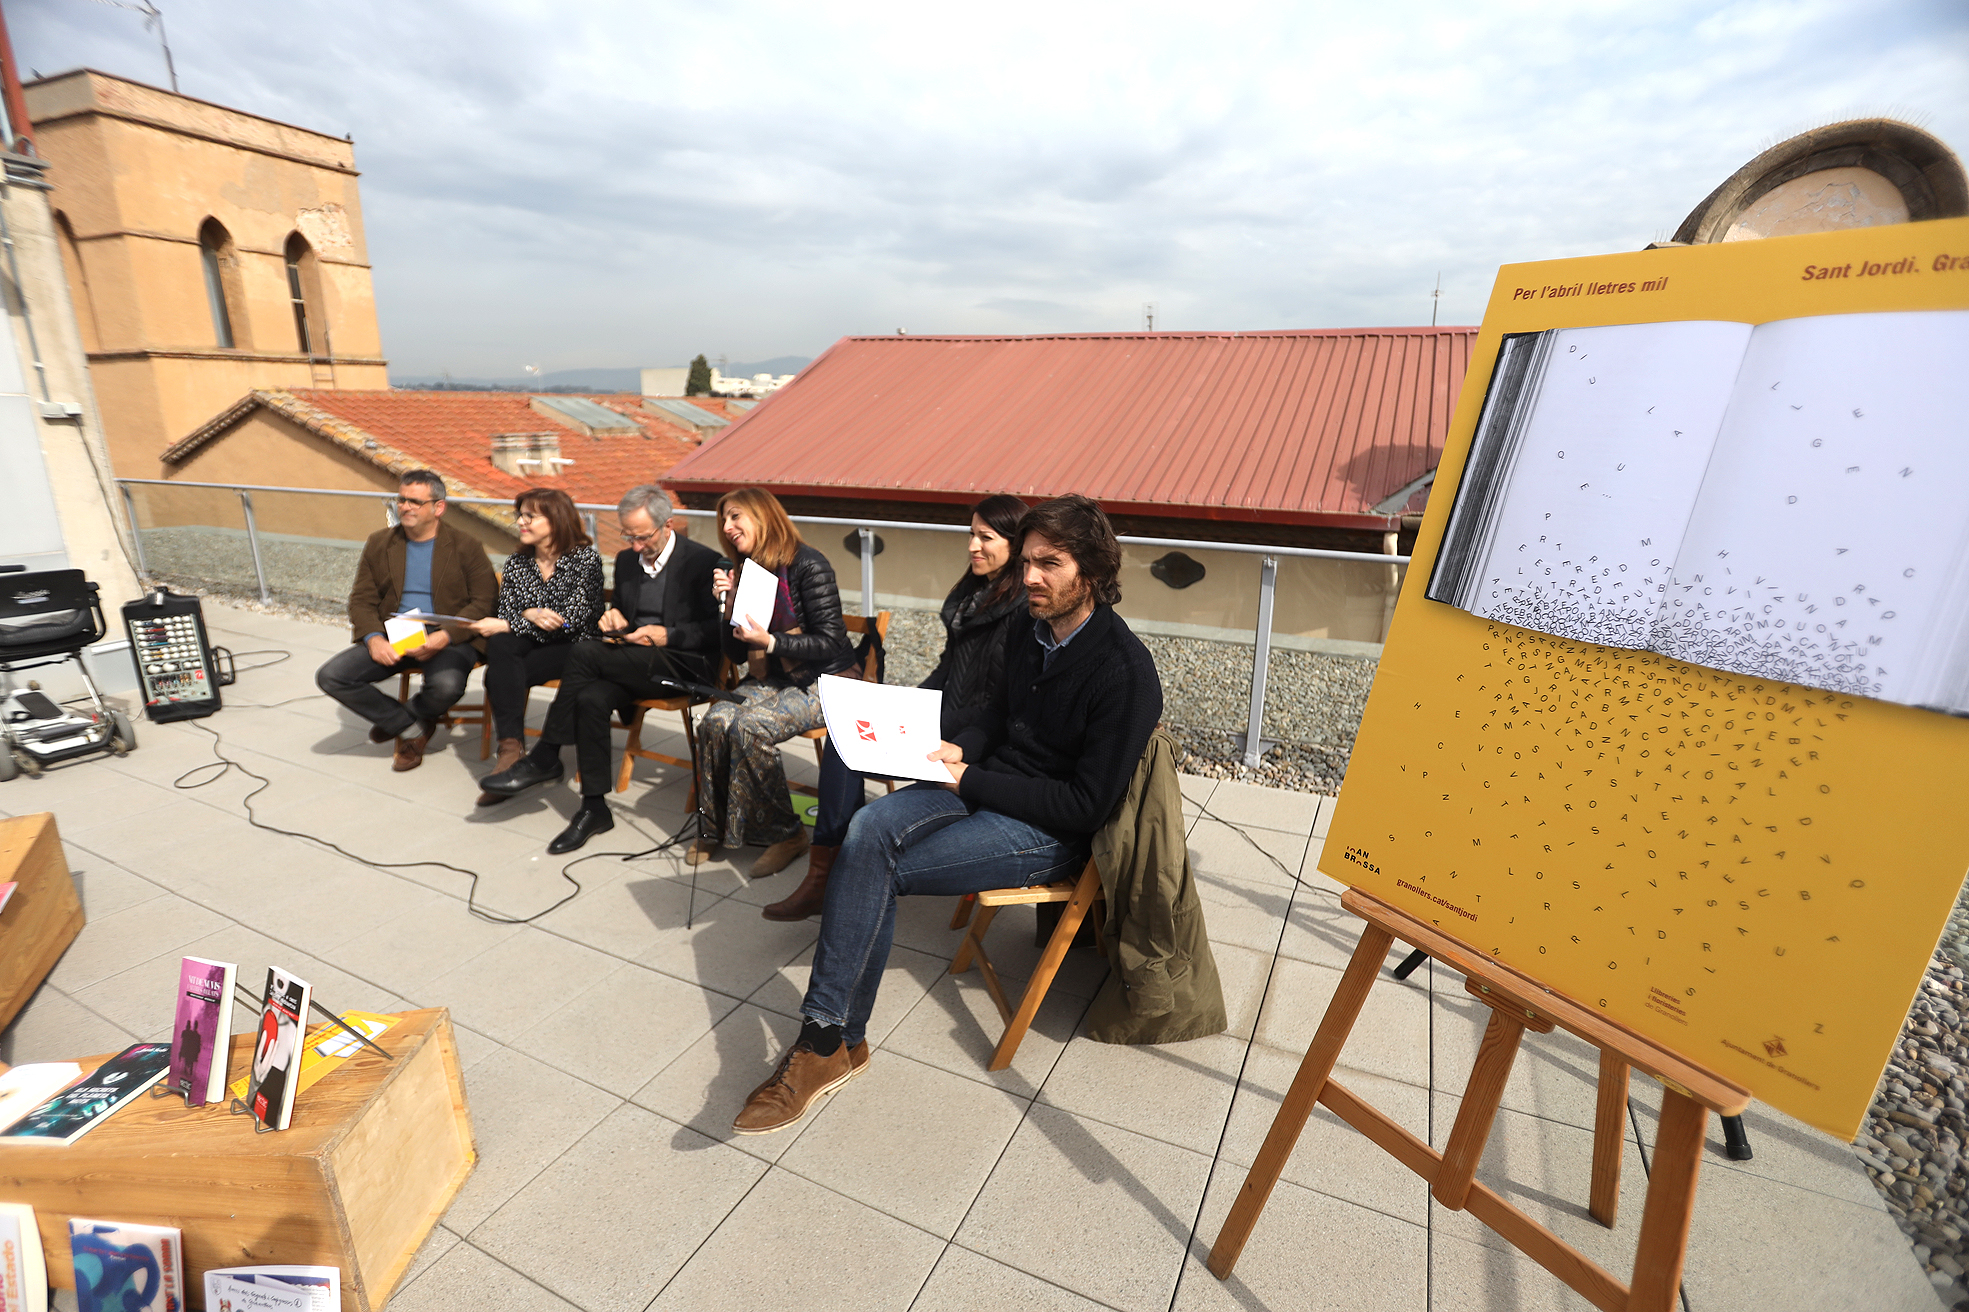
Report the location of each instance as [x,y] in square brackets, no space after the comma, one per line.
[588,380]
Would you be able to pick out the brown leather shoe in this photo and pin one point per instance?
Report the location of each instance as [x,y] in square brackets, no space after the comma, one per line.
[510,752]
[780,855]
[700,851]
[801,1077]
[858,1059]
[807,899]
[410,751]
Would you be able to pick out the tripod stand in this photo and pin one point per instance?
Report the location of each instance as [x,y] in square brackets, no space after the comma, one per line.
[697,823]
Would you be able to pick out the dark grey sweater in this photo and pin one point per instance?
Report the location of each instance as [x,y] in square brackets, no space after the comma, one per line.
[1058,747]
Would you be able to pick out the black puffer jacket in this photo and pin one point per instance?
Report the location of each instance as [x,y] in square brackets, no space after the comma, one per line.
[821,646]
[973,662]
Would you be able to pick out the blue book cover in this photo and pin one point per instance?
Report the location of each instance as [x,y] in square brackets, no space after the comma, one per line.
[124,1267]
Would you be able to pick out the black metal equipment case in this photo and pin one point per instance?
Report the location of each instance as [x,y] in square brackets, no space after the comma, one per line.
[175,669]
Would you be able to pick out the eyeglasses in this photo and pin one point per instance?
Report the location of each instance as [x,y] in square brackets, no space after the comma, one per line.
[413,501]
[528,516]
[638,539]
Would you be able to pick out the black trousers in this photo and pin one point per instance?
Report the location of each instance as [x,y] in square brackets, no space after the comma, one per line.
[600,679]
[514,664]
[348,675]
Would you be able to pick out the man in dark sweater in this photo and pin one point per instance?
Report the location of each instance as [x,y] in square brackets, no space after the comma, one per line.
[663,624]
[1030,786]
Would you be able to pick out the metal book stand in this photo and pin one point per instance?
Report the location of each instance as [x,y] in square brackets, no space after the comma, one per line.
[236,1106]
[1518,1003]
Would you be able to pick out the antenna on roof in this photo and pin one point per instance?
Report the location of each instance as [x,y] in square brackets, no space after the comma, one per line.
[1436,298]
[1148,316]
[153,17]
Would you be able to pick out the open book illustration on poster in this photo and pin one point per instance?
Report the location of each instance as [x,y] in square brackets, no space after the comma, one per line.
[1788,500]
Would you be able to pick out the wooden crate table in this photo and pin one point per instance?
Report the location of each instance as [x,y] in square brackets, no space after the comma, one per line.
[375,1153]
[44,915]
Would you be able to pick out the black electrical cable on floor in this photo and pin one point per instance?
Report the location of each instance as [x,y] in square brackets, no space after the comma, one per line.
[225,765]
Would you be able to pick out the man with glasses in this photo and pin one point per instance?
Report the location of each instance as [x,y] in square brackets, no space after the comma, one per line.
[663,623]
[426,565]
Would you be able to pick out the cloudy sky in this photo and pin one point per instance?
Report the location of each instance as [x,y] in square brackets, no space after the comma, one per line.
[625,182]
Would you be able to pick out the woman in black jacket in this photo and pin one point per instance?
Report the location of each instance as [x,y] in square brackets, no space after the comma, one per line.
[989,597]
[741,783]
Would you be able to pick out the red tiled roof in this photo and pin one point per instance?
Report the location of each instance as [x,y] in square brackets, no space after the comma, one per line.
[1305,427]
[451,432]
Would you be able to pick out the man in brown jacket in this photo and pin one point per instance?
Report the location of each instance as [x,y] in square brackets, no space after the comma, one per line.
[421,564]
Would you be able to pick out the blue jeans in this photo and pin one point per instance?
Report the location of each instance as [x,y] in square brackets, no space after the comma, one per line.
[842,793]
[920,839]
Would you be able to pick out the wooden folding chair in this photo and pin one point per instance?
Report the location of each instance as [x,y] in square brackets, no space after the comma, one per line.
[1080,895]
[633,749]
[857,624]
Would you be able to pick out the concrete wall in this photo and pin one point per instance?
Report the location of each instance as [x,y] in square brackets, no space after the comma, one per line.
[72,450]
[1318,605]
[137,171]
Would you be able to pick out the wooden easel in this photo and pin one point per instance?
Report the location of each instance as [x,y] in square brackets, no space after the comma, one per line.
[1518,1003]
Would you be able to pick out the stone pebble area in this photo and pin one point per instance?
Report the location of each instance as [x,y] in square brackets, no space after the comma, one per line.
[1915,1136]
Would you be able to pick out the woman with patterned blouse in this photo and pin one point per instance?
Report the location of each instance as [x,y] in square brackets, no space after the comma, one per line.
[549,599]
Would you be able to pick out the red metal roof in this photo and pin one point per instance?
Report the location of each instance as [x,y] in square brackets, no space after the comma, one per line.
[1304,427]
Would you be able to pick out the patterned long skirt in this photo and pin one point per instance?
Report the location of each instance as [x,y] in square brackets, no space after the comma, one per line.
[741,783]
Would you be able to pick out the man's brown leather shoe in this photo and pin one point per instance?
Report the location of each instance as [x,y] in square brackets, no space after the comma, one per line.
[410,752]
[801,1077]
[780,855]
[807,899]
[510,752]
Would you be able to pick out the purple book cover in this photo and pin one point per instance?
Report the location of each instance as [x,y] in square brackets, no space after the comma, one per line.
[199,1031]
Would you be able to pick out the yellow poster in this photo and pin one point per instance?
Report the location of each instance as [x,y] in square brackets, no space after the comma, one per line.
[1666,739]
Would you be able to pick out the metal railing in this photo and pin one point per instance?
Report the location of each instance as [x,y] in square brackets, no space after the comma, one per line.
[1268,558]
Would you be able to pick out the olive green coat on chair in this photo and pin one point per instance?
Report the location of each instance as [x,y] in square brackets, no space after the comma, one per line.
[1164,986]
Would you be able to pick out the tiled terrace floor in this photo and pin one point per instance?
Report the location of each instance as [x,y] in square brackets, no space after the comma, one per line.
[607,1047]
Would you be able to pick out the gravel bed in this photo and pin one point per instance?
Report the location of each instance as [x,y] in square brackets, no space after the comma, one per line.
[287,605]
[1912,1139]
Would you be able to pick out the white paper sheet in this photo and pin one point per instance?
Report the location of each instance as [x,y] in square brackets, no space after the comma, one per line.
[883,729]
[758,589]
[403,634]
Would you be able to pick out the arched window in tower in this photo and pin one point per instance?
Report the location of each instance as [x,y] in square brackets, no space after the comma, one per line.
[215,250]
[301,276]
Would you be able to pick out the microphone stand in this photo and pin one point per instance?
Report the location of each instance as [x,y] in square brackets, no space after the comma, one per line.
[697,823]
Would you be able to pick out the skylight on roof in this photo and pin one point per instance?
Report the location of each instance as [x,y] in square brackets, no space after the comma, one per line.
[695,416]
[581,410]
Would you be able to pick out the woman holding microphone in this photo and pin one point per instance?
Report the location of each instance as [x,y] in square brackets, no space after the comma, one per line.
[741,783]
